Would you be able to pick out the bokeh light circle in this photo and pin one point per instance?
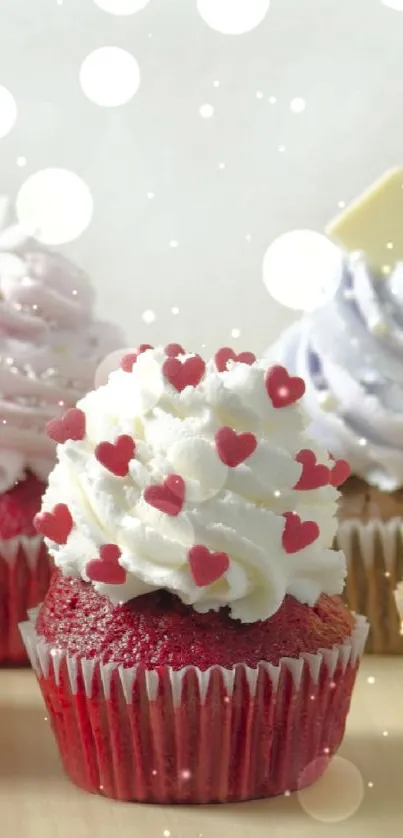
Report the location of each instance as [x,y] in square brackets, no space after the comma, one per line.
[233,17]
[8,111]
[110,77]
[337,795]
[302,269]
[396,5]
[55,205]
[121,7]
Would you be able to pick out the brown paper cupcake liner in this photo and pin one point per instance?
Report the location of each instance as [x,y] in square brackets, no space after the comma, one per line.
[374,553]
[193,736]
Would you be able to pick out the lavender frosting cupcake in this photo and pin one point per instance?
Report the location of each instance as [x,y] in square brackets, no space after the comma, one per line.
[350,353]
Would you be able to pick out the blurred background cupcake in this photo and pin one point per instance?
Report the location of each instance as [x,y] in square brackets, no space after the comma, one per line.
[194,620]
[50,346]
[349,350]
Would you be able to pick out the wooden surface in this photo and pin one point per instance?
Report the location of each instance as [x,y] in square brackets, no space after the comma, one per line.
[37,801]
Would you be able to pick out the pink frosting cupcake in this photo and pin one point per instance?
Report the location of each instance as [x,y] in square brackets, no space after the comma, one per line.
[193,646]
[50,346]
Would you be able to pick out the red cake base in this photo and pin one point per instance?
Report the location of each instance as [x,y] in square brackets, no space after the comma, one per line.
[231,728]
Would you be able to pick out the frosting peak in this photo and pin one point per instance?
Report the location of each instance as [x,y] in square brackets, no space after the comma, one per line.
[198,478]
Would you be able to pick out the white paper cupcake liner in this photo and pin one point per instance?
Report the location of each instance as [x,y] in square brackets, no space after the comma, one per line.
[190,736]
[374,553]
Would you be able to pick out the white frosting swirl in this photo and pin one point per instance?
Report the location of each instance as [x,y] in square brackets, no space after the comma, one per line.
[236,510]
[50,347]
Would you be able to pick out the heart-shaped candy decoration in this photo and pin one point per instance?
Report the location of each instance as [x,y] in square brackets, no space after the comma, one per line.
[207,567]
[70,426]
[173,350]
[233,448]
[56,525]
[313,475]
[298,534]
[226,354]
[167,497]
[283,389]
[116,456]
[186,374]
[340,472]
[128,361]
[107,569]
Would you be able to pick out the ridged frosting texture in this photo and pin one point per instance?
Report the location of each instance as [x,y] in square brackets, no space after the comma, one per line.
[350,353]
[50,346]
[185,476]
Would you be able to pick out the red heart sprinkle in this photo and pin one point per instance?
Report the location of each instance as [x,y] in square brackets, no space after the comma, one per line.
[298,534]
[116,456]
[69,426]
[107,569]
[56,525]
[173,350]
[233,448]
[283,389]
[313,475]
[167,497]
[339,473]
[207,567]
[188,374]
[226,354]
[128,361]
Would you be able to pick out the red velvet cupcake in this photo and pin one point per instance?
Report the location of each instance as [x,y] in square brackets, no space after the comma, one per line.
[193,646]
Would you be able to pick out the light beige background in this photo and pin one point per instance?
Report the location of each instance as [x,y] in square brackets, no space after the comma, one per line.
[343,57]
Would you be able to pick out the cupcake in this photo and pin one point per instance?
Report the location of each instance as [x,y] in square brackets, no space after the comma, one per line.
[350,354]
[50,346]
[193,646]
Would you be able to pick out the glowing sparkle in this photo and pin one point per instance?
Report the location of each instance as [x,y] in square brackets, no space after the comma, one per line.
[166,833]
[173,243]
[21,162]
[297,105]
[248,237]
[272,100]
[206,111]
[259,94]
[370,785]
[221,166]
[385,733]
[362,442]
[185,774]
[287,793]
[371,680]
[110,77]
[149,316]
[390,245]
[235,333]
[154,772]
[341,204]
[174,310]
[216,83]
[281,149]
[150,195]
[277,493]
[8,111]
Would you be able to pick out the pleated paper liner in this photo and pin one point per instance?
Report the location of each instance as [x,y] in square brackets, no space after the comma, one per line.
[190,736]
[374,553]
[25,571]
